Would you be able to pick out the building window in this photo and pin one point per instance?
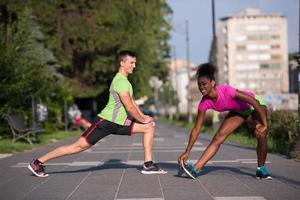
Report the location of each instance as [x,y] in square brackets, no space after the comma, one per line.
[240,47]
[264,57]
[253,47]
[240,57]
[275,56]
[251,28]
[275,27]
[275,46]
[253,57]
[241,38]
[264,65]
[275,65]
[274,37]
[247,67]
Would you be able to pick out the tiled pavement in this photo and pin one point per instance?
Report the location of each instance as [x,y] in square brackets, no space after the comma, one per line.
[111,171]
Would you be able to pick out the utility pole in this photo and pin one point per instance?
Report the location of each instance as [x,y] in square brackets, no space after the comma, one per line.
[176,82]
[189,94]
[213,18]
[213,56]
[297,57]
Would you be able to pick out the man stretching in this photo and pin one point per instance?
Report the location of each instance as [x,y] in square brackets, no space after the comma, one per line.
[113,119]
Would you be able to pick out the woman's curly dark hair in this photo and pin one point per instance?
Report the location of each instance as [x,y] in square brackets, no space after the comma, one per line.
[207,70]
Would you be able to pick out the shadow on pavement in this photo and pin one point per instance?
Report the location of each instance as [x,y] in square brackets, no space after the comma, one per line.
[117,164]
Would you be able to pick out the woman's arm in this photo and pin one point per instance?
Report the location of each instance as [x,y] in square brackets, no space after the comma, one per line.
[193,136]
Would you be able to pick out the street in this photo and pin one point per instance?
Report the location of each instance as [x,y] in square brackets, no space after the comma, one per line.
[111,171]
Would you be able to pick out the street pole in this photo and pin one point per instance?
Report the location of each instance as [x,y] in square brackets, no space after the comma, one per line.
[214,38]
[66,115]
[33,112]
[189,95]
[176,82]
[213,18]
[297,57]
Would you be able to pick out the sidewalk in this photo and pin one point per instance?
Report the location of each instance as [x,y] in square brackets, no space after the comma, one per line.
[111,171]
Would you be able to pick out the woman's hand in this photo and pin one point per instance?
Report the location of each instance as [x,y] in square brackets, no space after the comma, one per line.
[260,129]
[183,157]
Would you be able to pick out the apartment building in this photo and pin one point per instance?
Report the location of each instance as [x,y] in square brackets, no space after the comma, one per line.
[252,52]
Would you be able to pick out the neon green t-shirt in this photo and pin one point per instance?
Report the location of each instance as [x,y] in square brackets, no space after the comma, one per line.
[114,110]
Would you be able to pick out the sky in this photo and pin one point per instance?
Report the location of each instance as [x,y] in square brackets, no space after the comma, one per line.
[199,16]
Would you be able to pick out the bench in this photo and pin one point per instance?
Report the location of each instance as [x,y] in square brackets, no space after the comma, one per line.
[19,128]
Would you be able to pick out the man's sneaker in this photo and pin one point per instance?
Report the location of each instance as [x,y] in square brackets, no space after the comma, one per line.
[37,168]
[190,170]
[153,169]
[263,173]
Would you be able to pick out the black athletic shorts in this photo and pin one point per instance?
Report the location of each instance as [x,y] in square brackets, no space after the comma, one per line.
[101,128]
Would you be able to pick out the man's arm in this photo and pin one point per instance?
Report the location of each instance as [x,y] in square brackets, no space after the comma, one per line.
[132,108]
[137,107]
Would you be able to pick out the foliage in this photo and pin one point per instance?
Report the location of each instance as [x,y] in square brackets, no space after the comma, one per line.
[85,36]
[28,68]
[55,50]
[283,130]
[7,146]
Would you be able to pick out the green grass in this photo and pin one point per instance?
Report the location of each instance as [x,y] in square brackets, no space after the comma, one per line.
[44,138]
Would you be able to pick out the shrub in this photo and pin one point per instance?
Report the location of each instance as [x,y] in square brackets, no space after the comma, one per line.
[283,130]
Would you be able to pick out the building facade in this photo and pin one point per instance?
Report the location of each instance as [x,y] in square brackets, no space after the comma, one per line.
[178,74]
[252,52]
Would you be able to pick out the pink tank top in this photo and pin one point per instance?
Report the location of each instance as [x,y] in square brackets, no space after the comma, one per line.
[226,100]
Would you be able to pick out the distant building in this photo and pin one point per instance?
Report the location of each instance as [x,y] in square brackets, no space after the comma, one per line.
[252,52]
[293,76]
[178,74]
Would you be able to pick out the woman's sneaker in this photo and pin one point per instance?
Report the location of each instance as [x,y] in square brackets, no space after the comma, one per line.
[190,170]
[180,171]
[263,173]
[37,168]
[153,169]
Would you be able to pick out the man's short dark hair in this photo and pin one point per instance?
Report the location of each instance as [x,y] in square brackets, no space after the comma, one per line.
[122,54]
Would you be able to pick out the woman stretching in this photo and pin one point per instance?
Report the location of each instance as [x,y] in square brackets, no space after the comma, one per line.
[240,105]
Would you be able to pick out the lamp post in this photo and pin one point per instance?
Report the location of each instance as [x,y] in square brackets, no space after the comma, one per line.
[155,83]
[176,83]
[297,57]
[213,18]
[189,94]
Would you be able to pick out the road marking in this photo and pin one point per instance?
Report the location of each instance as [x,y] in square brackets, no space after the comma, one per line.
[180,136]
[196,143]
[154,150]
[240,198]
[143,199]
[139,146]
[159,139]
[132,162]
[4,155]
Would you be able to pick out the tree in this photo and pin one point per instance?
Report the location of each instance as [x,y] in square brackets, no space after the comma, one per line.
[86,35]
[28,68]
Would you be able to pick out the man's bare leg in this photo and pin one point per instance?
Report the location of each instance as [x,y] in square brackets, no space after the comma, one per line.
[77,147]
[148,137]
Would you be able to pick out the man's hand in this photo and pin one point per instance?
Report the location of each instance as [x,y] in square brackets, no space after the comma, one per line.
[183,157]
[148,119]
